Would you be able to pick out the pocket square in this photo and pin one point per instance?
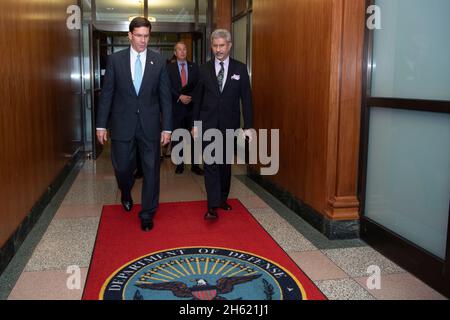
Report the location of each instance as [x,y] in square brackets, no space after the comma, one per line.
[236,77]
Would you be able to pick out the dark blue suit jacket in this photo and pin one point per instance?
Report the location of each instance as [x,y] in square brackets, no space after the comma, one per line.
[180,111]
[222,110]
[120,107]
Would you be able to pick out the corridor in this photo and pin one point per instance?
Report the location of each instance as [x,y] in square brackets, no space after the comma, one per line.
[66,232]
[353,95]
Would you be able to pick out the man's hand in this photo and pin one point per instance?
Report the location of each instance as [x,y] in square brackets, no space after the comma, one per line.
[102,136]
[165,138]
[185,99]
[194,132]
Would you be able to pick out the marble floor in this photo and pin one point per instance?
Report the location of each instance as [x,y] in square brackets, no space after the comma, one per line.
[65,236]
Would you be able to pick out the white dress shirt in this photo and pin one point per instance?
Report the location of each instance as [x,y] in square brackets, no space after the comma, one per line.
[226,64]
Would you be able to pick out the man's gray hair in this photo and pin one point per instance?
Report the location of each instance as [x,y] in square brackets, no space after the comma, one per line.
[179,42]
[221,33]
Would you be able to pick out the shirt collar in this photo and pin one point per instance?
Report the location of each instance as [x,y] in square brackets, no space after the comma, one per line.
[135,53]
[180,62]
[225,62]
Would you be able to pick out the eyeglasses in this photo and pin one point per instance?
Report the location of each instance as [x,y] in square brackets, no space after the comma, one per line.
[141,36]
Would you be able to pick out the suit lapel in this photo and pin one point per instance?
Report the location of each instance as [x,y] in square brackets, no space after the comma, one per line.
[212,72]
[127,67]
[149,63]
[177,71]
[231,69]
[189,74]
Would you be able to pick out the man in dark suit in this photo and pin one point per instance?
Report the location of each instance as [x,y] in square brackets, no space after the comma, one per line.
[136,91]
[183,77]
[223,84]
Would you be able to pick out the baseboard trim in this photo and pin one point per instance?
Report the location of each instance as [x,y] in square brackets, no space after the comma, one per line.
[332,229]
[12,245]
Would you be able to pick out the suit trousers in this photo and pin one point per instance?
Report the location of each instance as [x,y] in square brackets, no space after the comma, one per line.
[123,155]
[218,178]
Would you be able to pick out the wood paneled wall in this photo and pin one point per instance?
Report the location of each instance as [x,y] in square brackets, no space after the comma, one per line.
[222,14]
[239,7]
[187,39]
[39,103]
[307,60]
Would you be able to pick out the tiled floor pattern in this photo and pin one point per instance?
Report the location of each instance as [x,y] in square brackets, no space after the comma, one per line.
[338,268]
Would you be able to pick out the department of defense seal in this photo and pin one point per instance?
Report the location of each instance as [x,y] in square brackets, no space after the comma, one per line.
[202,273]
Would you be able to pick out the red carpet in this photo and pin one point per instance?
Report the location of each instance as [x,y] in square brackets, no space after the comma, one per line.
[185,257]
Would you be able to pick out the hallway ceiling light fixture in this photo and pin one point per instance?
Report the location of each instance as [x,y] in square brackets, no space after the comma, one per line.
[123,3]
[151,19]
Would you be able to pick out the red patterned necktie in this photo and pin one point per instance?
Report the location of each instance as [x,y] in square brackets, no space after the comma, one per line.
[183,76]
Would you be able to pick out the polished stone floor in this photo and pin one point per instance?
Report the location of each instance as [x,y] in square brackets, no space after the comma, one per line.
[65,236]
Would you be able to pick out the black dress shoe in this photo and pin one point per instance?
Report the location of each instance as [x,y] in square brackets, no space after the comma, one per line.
[179,169]
[225,206]
[211,214]
[127,203]
[146,224]
[197,170]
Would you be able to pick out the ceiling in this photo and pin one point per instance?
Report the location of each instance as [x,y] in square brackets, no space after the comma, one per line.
[162,10]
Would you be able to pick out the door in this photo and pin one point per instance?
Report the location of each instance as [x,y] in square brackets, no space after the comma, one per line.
[87,99]
[405,179]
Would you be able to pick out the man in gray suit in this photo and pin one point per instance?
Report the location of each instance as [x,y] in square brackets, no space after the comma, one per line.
[135,93]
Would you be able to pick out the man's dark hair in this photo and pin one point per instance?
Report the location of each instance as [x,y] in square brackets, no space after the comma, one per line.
[140,22]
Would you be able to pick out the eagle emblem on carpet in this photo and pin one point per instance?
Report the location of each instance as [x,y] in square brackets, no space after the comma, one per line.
[202,273]
[201,291]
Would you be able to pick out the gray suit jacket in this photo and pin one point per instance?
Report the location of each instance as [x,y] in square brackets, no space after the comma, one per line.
[120,107]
